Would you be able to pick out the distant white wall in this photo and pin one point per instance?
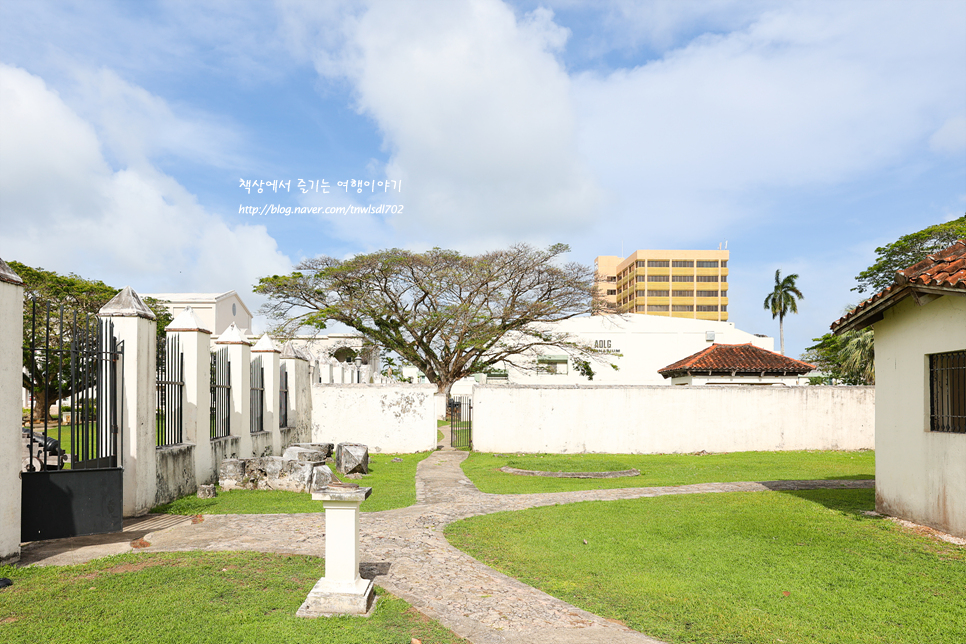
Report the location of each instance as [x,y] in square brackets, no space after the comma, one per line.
[920,475]
[655,420]
[387,418]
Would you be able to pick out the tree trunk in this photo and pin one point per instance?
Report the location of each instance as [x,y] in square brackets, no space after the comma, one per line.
[781,331]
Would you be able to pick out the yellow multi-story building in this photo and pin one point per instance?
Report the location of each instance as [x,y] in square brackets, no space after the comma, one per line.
[672,283]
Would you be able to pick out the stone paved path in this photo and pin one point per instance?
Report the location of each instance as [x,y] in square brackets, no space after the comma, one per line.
[404,550]
[407,553]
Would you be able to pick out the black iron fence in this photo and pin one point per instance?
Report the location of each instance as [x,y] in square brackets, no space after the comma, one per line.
[70,374]
[220,394]
[256,395]
[169,420]
[459,413]
[282,396]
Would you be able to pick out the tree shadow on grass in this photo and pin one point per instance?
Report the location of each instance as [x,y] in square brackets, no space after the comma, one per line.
[854,502]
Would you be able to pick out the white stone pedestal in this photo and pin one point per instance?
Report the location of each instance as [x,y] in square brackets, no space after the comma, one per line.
[342,591]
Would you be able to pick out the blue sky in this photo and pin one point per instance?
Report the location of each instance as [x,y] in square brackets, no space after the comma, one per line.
[803,134]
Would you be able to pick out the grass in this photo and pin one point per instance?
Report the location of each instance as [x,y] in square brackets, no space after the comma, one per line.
[663,469]
[217,598]
[393,486]
[798,567]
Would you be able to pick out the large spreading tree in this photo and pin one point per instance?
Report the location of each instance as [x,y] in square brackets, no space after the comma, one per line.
[450,315]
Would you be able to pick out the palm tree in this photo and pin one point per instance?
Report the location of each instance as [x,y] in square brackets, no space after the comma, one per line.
[858,355]
[781,301]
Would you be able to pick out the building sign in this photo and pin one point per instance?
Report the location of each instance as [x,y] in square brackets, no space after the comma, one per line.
[605,346]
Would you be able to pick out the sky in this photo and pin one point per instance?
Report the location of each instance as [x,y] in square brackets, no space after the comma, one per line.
[802,135]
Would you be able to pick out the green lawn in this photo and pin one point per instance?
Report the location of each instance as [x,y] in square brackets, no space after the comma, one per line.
[663,469]
[751,568]
[217,598]
[393,486]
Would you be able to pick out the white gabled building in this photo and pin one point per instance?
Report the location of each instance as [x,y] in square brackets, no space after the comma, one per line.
[217,311]
[638,345]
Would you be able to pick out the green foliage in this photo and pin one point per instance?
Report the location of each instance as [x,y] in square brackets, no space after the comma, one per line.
[447,314]
[906,251]
[755,568]
[583,368]
[662,469]
[393,486]
[202,598]
[847,359]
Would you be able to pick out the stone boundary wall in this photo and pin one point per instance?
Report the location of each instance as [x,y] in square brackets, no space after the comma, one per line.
[657,420]
[396,419]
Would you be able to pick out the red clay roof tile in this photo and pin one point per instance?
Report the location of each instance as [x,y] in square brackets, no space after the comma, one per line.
[738,359]
[945,270]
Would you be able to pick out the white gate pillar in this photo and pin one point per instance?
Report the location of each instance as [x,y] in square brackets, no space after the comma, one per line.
[240,356]
[269,351]
[195,342]
[134,325]
[11,383]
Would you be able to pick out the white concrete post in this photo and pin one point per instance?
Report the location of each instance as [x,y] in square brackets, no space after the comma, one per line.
[290,359]
[240,356]
[11,382]
[134,325]
[342,590]
[270,352]
[195,342]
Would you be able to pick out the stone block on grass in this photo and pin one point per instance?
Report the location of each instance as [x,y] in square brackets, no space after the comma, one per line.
[352,458]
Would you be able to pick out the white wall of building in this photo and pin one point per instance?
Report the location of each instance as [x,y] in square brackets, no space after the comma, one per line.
[920,475]
[657,420]
[217,311]
[638,345]
[399,419]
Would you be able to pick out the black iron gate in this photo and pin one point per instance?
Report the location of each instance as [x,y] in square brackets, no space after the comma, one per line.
[459,413]
[71,483]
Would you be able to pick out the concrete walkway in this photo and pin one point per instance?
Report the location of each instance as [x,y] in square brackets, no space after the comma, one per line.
[404,550]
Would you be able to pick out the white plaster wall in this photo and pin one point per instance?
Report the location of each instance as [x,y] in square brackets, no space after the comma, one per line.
[11,339]
[654,420]
[399,419]
[638,345]
[920,475]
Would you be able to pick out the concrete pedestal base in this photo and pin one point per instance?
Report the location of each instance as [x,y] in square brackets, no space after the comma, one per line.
[327,599]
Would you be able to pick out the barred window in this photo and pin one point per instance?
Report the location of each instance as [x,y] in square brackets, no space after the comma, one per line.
[682,307]
[683,263]
[640,294]
[640,278]
[707,307]
[708,264]
[707,278]
[682,293]
[682,278]
[656,307]
[724,278]
[640,309]
[707,293]
[658,278]
[612,291]
[658,263]
[947,392]
[657,293]
[724,293]
[611,278]
[724,263]
[724,308]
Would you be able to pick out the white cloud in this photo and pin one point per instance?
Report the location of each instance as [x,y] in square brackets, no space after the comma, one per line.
[951,137]
[474,109]
[65,209]
[808,95]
